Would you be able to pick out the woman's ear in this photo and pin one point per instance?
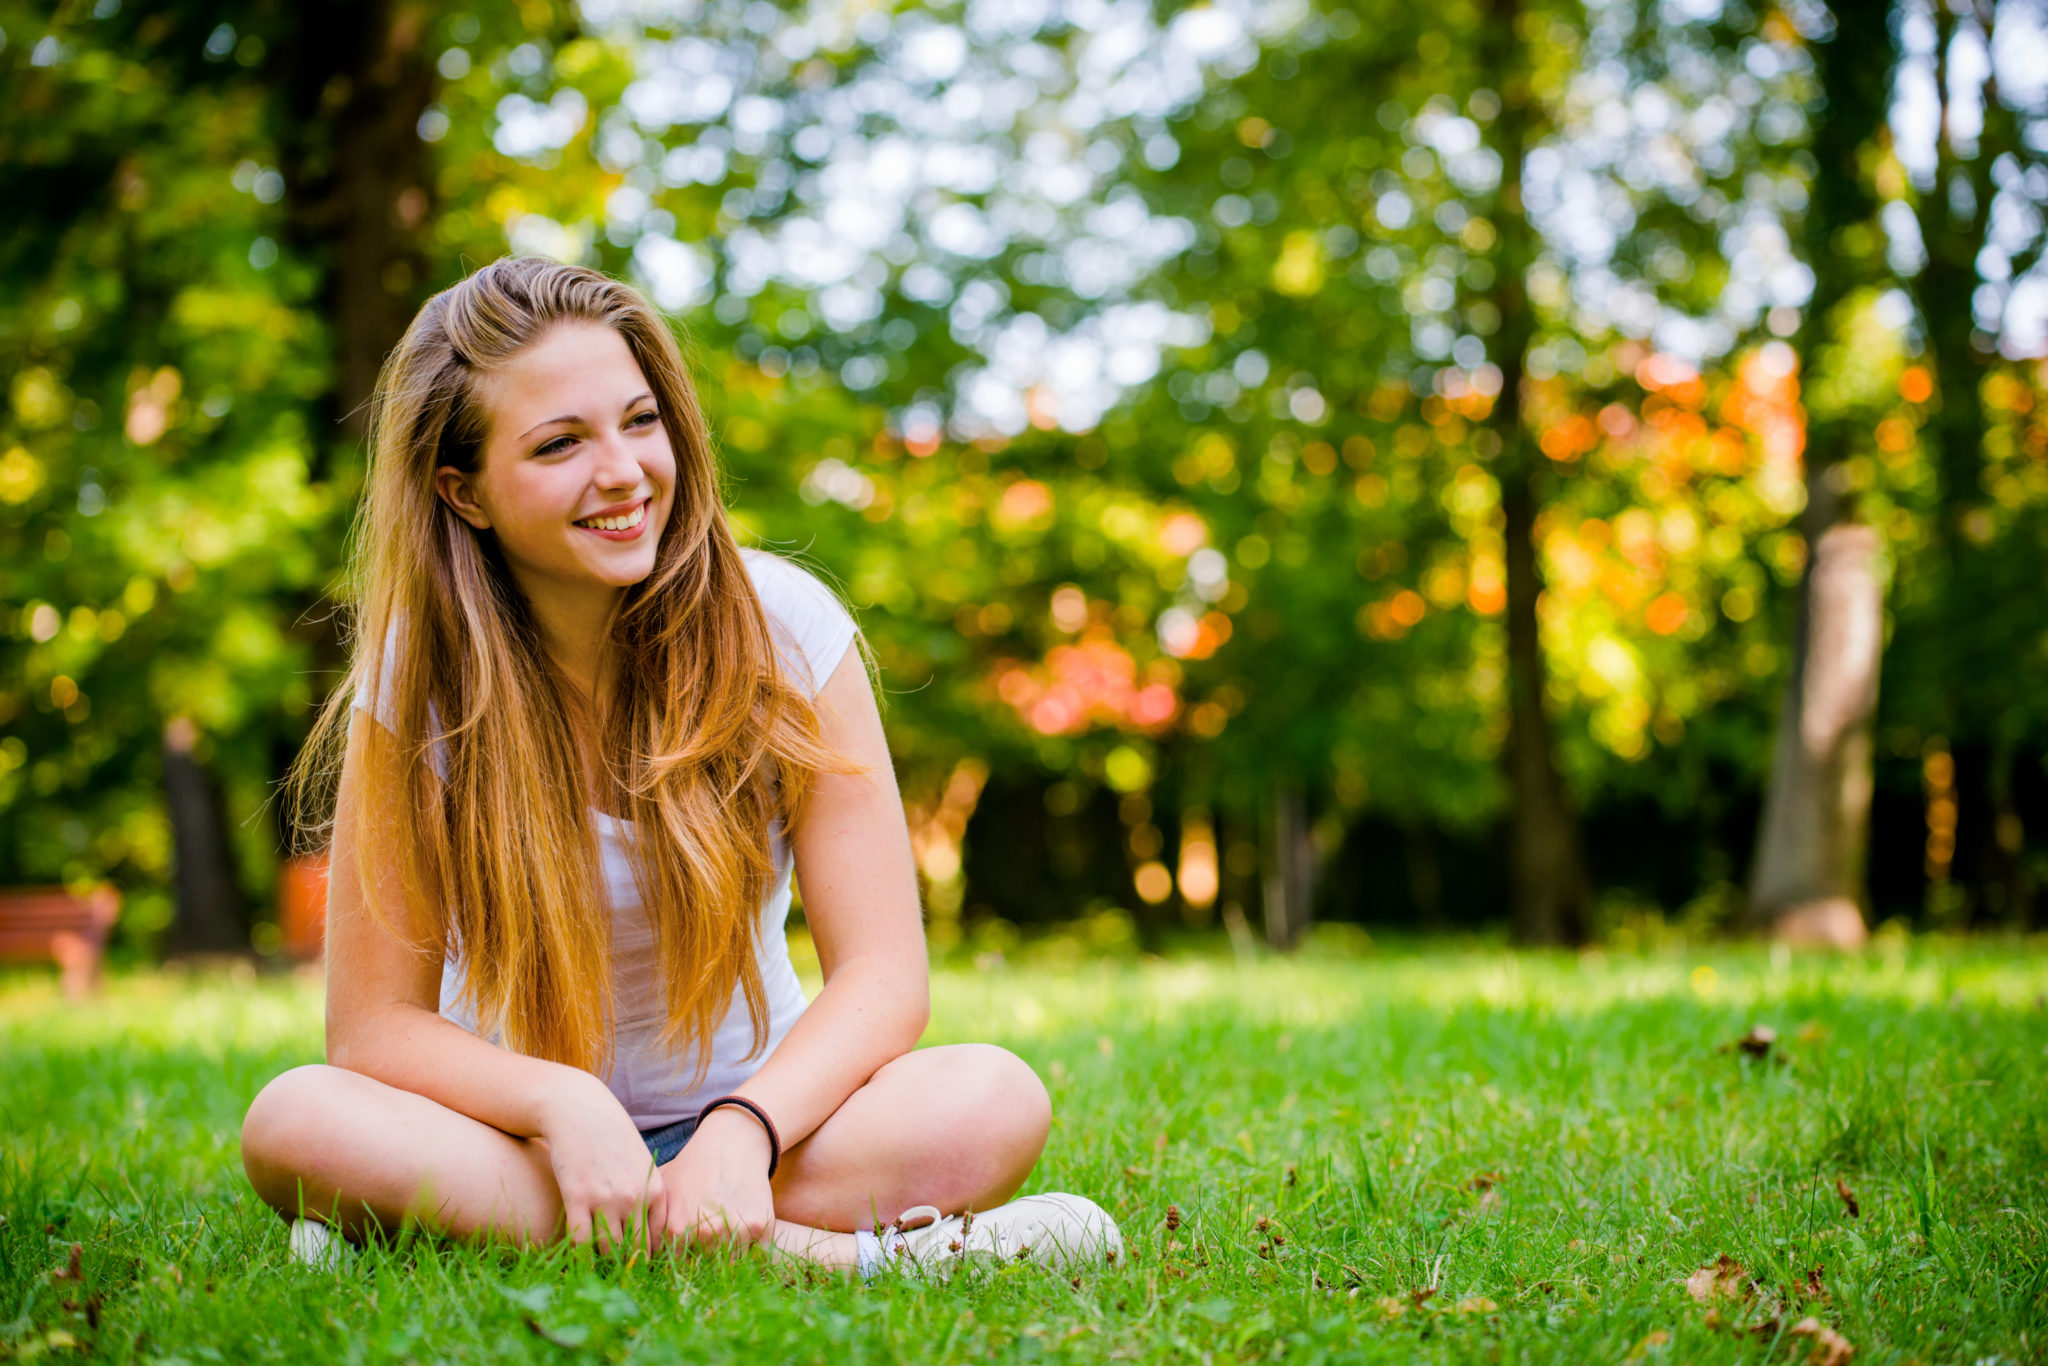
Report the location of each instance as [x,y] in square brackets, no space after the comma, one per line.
[459,493]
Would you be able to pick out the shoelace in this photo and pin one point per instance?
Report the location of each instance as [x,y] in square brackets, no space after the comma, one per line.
[896,1244]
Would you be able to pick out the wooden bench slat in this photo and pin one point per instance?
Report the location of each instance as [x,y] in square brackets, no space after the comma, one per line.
[53,923]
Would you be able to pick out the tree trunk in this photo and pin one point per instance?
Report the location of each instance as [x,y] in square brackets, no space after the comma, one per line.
[1552,893]
[1807,879]
[210,912]
[1425,875]
[1289,865]
[359,180]
[1954,218]
[1807,882]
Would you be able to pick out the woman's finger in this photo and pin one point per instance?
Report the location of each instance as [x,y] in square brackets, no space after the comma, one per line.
[656,1201]
[576,1215]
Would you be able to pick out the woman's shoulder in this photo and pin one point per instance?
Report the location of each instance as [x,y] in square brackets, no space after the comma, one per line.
[812,626]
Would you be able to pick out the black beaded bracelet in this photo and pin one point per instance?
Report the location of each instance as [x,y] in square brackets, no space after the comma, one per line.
[774,1139]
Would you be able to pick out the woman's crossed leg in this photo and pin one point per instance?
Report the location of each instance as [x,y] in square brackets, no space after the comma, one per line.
[958,1126]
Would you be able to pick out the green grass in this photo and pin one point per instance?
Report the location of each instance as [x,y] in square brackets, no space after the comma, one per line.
[1360,1105]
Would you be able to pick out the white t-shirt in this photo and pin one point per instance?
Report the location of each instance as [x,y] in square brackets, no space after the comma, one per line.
[811,632]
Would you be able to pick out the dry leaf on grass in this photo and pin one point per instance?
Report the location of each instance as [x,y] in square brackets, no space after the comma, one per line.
[1848,1198]
[1475,1304]
[1656,1339]
[1829,1347]
[1757,1043]
[1721,1279]
[1483,1181]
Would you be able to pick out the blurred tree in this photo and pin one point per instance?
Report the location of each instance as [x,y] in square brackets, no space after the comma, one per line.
[1551,894]
[219,235]
[1978,216]
[1807,881]
[1145,379]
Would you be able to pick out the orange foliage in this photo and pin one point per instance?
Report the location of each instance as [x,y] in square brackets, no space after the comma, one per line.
[1666,614]
[1092,682]
[1570,438]
[1764,401]
[1671,377]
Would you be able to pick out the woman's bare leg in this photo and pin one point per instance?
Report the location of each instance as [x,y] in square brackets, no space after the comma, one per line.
[959,1127]
[348,1149]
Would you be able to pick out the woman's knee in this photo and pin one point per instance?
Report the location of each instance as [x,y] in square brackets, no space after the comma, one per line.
[289,1118]
[1006,1105]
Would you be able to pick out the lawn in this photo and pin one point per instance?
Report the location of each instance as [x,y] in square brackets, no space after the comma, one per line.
[1352,1155]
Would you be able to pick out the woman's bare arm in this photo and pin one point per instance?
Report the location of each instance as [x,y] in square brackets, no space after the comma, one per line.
[853,861]
[383,996]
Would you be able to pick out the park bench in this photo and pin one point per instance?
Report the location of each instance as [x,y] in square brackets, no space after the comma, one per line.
[39,923]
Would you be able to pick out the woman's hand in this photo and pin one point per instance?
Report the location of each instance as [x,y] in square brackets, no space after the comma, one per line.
[718,1184]
[602,1167]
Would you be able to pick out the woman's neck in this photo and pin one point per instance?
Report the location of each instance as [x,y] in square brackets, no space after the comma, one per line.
[575,629]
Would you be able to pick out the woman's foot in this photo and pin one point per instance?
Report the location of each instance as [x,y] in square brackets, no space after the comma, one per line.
[316,1245]
[1065,1232]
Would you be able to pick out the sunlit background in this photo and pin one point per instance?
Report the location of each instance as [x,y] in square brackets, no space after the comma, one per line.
[1304,468]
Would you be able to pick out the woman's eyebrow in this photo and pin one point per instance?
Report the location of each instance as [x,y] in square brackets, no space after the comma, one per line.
[549,422]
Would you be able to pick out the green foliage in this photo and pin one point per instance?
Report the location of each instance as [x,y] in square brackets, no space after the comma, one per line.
[1271,555]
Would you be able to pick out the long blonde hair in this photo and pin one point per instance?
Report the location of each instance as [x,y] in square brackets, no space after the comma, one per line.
[704,741]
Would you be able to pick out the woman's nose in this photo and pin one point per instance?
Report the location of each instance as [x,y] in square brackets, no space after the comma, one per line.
[616,465]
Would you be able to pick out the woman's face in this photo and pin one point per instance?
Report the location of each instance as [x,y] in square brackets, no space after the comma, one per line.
[577,474]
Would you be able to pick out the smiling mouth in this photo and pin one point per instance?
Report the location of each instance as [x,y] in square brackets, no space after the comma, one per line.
[625,521]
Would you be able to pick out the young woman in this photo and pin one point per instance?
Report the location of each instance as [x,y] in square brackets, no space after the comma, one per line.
[587,738]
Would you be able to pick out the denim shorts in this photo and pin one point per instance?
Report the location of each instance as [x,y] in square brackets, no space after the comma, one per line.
[666,1140]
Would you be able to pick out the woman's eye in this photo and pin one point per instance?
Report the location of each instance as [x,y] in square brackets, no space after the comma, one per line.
[644,418]
[557,446]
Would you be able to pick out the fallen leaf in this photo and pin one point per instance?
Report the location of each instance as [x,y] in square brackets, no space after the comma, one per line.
[1391,1307]
[1759,1041]
[1829,1347]
[1848,1198]
[1812,1288]
[1483,1181]
[1722,1278]
[75,1270]
[1658,1338]
[1475,1304]
[1418,1297]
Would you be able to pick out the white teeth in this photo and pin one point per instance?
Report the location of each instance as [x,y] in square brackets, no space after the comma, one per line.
[626,523]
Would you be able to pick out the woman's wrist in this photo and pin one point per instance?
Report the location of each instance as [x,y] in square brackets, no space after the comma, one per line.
[567,1092]
[736,1115]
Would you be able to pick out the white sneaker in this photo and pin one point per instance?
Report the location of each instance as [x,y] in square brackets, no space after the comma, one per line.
[1065,1232]
[316,1245]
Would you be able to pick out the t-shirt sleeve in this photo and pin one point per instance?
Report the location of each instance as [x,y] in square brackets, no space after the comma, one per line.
[810,627]
[378,700]
[384,705]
